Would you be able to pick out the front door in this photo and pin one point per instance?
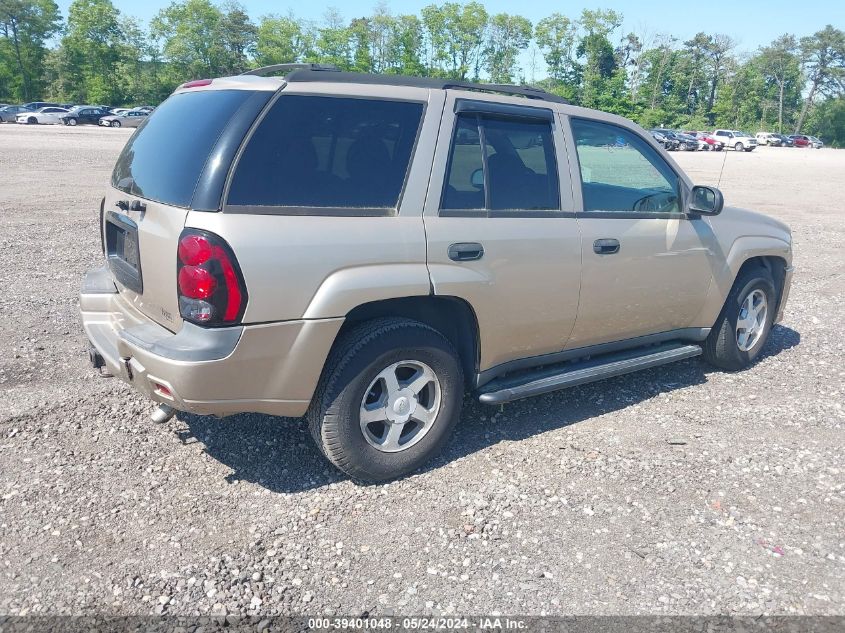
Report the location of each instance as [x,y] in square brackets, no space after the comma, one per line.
[500,225]
[647,265]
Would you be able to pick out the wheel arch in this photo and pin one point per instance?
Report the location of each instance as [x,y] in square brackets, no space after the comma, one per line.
[451,316]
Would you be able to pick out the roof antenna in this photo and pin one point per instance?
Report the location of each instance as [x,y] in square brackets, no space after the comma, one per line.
[721,171]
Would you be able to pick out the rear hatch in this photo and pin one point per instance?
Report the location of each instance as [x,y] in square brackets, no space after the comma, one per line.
[176,161]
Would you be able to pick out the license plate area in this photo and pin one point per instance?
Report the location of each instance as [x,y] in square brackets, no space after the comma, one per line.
[122,254]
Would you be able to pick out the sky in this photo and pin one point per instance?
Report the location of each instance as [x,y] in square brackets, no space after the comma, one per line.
[751,23]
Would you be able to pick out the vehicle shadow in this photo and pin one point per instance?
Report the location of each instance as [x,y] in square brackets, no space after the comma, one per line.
[278,454]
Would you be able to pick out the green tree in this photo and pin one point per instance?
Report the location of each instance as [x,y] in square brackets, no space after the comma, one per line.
[456,38]
[508,36]
[91,51]
[25,26]
[600,62]
[556,36]
[189,33]
[282,40]
[238,37]
[717,49]
[779,63]
[334,41]
[823,56]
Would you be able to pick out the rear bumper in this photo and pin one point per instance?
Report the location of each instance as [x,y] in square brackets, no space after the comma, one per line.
[270,368]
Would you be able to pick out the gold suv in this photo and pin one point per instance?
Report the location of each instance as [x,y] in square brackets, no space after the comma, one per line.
[363,250]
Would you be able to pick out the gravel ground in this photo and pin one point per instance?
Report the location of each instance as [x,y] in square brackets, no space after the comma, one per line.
[674,491]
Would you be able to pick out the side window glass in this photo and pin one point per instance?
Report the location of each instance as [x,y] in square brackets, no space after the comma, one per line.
[501,164]
[329,152]
[621,172]
[465,172]
[521,169]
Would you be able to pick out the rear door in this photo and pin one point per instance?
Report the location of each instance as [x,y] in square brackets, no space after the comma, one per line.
[647,265]
[177,161]
[500,225]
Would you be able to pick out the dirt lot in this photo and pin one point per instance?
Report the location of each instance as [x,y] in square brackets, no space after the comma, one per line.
[677,490]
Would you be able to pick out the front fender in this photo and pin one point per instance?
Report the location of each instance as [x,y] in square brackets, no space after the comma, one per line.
[741,250]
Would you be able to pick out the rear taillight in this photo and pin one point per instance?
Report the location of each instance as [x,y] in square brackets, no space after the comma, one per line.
[211,287]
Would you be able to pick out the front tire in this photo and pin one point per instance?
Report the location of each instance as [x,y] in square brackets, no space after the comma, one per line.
[390,395]
[72,122]
[741,331]
[115,124]
[738,147]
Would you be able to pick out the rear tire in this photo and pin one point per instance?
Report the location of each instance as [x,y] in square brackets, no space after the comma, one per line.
[738,336]
[353,385]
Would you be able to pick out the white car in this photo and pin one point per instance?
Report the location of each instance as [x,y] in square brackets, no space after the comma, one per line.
[48,115]
[736,139]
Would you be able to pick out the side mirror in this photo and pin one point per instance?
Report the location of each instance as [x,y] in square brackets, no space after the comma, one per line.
[706,200]
[477,179]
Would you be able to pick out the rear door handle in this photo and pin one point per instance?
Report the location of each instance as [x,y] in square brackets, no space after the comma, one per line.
[466,251]
[606,246]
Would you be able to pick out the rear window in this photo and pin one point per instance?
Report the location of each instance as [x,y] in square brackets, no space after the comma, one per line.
[312,152]
[164,159]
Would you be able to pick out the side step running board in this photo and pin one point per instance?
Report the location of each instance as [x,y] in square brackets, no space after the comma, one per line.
[549,379]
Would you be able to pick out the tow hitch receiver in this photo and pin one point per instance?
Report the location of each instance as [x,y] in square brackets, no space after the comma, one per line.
[97,361]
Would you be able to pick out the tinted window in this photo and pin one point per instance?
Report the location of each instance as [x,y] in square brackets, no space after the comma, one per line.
[465,177]
[622,172]
[328,152]
[520,171]
[164,160]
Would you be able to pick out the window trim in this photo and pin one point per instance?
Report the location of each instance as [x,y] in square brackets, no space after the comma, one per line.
[630,215]
[303,211]
[485,111]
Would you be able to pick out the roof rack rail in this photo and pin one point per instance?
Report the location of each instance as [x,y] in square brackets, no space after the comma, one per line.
[264,71]
[317,72]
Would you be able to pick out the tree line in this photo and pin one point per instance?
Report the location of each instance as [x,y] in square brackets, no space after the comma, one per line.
[99,55]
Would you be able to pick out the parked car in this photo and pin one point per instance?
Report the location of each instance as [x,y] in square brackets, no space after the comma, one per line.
[767,138]
[685,143]
[706,141]
[816,142]
[245,271]
[9,114]
[669,144]
[785,141]
[48,116]
[145,108]
[37,105]
[799,140]
[116,111]
[84,115]
[129,118]
[736,139]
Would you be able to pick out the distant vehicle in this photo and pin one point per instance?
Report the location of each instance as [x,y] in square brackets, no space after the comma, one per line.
[145,108]
[37,105]
[10,113]
[130,118]
[44,116]
[767,138]
[669,144]
[816,142]
[738,140]
[83,115]
[799,140]
[117,111]
[685,143]
[706,141]
[785,141]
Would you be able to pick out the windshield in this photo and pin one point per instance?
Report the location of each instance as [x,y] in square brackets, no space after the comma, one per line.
[163,161]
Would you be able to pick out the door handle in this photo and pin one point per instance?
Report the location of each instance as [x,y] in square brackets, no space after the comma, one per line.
[606,246]
[466,251]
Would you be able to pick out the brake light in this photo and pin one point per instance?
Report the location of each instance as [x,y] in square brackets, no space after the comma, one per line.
[211,288]
[196,83]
